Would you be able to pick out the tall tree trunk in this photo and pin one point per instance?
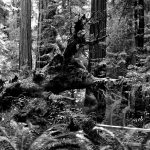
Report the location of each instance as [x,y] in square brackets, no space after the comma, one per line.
[139,24]
[147,6]
[44,13]
[25,55]
[15,16]
[40,20]
[94,101]
[98,30]
[130,15]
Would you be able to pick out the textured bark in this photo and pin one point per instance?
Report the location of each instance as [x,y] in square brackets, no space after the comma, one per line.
[44,13]
[147,6]
[42,8]
[96,53]
[70,79]
[98,28]
[139,24]
[25,56]
[131,59]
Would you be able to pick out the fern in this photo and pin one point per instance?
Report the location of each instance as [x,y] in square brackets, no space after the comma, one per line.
[128,135]
[145,140]
[3,132]
[58,137]
[19,138]
[108,138]
[6,144]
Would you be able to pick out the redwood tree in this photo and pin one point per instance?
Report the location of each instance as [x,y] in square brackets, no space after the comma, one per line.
[98,30]
[139,23]
[94,101]
[25,55]
[47,11]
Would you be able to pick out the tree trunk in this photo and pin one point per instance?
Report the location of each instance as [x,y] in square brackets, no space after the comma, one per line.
[147,6]
[131,59]
[40,20]
[98,30]
[44,13]
[25,55]
[94,102]
[139,24]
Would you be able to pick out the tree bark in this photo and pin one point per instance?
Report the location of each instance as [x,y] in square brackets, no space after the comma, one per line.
[44,13]
[98,30]
[25,55]
[39,39]
[139,24]
[96,103]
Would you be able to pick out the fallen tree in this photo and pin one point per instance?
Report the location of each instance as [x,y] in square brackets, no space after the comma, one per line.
[69,73]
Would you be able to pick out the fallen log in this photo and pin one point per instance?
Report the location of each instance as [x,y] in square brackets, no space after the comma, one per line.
[71,79]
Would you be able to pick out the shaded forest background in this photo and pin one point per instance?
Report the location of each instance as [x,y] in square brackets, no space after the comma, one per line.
[74,74]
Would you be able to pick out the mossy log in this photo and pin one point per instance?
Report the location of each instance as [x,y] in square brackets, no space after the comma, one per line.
[70,79]
[39,86]
[72,75]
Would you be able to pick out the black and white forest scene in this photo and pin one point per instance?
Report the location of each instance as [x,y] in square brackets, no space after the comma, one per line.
[74,74]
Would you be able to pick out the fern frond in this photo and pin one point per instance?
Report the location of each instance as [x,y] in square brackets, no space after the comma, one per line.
[108,138]
[129,134]
[6,144]
[61,139]
[3,132]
